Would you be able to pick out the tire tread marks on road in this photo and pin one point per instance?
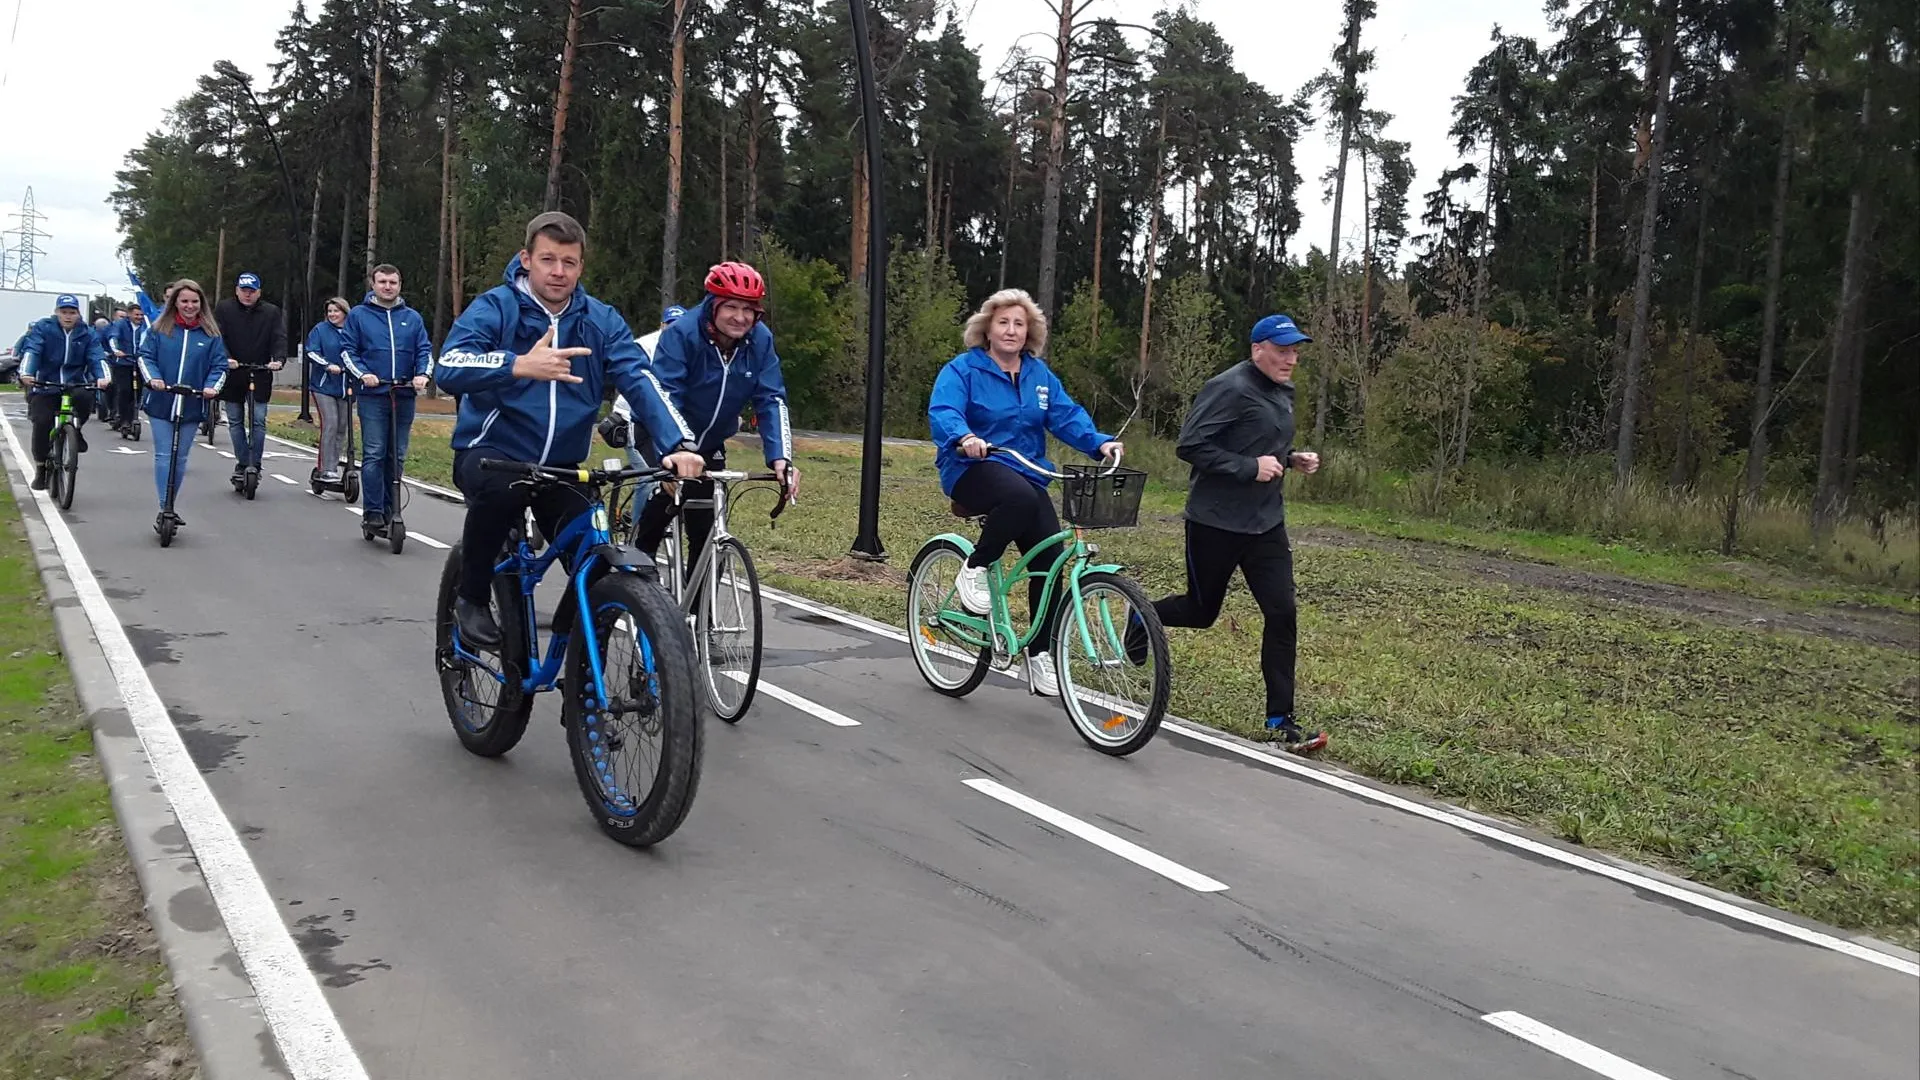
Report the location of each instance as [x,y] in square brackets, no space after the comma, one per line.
[959,885]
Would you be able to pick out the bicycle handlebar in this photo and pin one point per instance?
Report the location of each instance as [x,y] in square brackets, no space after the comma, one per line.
[550,473]
[1022,459]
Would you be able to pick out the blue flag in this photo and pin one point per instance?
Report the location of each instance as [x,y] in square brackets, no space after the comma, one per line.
[147,306]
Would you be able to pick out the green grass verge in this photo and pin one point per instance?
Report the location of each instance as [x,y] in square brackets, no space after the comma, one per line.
[83,991]
[1777,766]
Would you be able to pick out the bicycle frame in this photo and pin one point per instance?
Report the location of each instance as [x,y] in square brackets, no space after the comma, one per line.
[582,542]
[703,567]
[996,629]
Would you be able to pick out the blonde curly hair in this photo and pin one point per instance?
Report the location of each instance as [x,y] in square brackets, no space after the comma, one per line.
[976,332]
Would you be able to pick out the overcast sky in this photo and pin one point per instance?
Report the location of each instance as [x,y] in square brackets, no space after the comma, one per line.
[66,124]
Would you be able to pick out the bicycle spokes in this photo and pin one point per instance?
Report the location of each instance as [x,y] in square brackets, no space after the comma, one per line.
[1109,696]
[622,729]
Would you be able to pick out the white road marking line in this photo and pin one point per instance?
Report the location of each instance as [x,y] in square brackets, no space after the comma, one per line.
[1559,1042]
[446,493]
[835,718]
[1187,729]
[228,454]
[304,1026]
[1098,837]
[422,537]
[285,479]
[125,450]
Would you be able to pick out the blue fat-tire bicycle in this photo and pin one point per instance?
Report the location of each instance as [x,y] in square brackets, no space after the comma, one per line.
[626,684]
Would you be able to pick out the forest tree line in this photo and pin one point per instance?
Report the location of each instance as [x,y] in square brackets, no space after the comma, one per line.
[1680,239]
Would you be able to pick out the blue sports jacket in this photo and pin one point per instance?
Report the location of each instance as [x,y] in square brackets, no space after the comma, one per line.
[54,355]
[695,395]
[126,337]
[186,357]
[549,423]
[327,345]
[972,396]
[387,343]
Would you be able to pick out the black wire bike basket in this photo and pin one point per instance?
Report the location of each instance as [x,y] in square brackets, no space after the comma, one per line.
[1101,497]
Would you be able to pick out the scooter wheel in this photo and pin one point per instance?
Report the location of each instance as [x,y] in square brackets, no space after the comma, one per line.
[350,489]
[165,527]
[313,479]
[396,535]
[136,432]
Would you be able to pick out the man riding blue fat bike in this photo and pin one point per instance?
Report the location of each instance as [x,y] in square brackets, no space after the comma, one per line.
[530,360]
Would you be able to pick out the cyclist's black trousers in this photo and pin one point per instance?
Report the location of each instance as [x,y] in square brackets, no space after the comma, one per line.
[1019,512]
[1266,559]
[658,514]
[495,504]
[123,394]
[41,409]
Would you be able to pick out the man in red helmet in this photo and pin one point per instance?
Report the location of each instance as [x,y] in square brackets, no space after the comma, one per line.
[708,364]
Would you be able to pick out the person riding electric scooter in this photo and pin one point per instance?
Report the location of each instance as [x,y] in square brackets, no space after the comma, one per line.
[387,348]
[184,352]
[333,404]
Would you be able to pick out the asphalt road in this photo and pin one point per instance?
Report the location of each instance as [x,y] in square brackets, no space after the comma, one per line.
[842,903]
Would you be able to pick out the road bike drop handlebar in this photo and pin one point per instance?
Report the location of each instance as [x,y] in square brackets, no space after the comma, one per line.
[1113,459]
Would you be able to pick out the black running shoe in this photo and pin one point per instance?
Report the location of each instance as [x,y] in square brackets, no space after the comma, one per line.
[1285,730]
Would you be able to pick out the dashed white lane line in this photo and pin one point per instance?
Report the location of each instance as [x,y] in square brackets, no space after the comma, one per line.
[422,537]
[1699,900]
[1097,836]
[837,719]
[305,1029]
[285,479]
[228,454]
[1581,1053]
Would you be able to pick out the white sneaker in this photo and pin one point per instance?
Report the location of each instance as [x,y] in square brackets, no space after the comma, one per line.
[1040,676]
[970,586]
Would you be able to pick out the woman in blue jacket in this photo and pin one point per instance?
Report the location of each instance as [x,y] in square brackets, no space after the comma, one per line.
[1000,393]
[326,353]
[184,349]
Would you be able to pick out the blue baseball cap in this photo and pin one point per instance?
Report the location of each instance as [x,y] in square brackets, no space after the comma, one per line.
[67,299]
[673,312]
[1278,329]
[248,281]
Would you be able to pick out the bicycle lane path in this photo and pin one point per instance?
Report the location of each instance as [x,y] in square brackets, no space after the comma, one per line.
[840,903]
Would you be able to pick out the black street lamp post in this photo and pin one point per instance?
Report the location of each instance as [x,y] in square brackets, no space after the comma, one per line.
[866,542]
[301,286]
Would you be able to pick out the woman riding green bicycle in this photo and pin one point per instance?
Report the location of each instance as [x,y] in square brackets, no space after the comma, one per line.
[1000,393]
[991,411]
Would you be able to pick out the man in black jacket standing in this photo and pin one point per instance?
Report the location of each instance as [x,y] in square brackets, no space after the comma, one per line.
[256,337]
[1239,439]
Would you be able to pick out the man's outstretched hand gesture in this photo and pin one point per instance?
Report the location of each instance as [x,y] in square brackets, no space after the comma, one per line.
[546,363]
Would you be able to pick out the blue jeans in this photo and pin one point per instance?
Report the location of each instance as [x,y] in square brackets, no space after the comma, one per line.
[162,441]
[249,439]
[381,418]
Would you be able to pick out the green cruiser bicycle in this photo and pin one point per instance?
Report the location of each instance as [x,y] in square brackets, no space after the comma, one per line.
[1113,703]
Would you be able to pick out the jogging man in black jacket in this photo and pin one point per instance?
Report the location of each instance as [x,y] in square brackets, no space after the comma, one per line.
[1239,439]
[256,334]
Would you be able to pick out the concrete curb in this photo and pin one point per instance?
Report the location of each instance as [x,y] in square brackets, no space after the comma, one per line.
[223,1017]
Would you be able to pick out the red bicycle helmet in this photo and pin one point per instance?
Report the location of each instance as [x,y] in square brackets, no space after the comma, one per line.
[736,281]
